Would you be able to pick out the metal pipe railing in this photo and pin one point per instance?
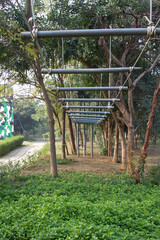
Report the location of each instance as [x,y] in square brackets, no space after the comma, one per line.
[80,121]
[87,115]
[88,112]
[89,70]
[87,107]
[88,100]
[89,33]
[114,88]
[87,118]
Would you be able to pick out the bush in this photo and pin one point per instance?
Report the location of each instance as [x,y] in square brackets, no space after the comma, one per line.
[10,144]
[154,174]
[65,160]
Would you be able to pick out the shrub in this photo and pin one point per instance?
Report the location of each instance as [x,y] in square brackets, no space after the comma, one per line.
[65,160]
[154,174]
[10,144]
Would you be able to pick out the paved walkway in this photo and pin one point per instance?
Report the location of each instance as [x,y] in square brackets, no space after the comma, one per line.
[21,153]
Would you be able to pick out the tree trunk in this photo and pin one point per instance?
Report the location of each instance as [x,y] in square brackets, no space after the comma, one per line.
[63,133]
[130,150]
[81,135]
[73,145]
[143,155]
[109,139]
[123,144]
[60,128]
[105,130]
[103,136]
[75,128]
[121,135]
[116,144]
[51,122]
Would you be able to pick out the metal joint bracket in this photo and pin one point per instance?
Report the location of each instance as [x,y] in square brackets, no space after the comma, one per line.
[151,31]
[120,88]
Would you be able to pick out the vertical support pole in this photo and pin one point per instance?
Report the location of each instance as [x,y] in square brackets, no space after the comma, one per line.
[109,96]
[84,141]
[92,141]
[78,140]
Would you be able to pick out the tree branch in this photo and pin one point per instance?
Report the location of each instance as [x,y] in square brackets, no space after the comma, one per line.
[145,72]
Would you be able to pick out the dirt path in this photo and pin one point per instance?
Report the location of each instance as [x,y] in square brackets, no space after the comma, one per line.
[22,153]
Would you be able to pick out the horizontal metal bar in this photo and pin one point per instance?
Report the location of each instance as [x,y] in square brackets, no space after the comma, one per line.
[88,112]
[85,115]
[82,122]
[87,107]
[89,70]
[114,88]
[90,32]
[88,100]
[86,122]
[87,119]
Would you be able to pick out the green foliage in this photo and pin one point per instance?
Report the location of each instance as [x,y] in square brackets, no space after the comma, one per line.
[100,141]
[79,206]
[45,136]
[10,144]
[65,160]
[29,118]
[154,174]
[11,171]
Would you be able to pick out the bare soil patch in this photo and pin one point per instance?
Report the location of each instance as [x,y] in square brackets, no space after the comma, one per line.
[99,164]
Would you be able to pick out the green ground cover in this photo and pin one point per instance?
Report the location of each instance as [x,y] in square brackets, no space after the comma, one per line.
[79,206]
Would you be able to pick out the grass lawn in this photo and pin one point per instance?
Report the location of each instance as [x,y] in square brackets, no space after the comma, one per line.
[79,206]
